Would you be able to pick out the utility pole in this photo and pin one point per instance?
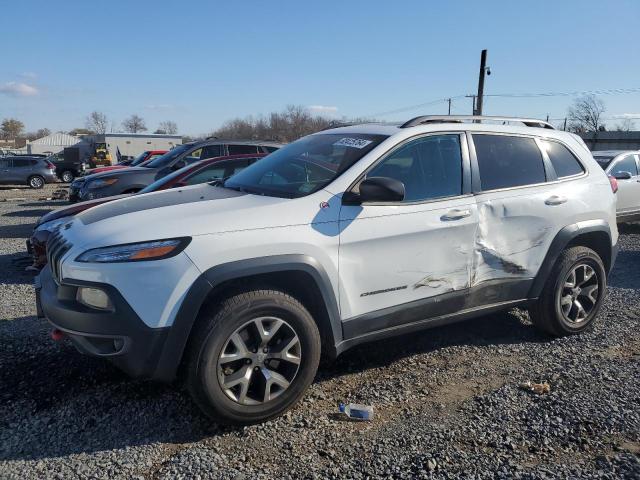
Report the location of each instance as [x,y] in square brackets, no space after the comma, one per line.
[473,104]
[483,70]
[565,124]
[449,100]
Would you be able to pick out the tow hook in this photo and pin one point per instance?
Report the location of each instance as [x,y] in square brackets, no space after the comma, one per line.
[57,335]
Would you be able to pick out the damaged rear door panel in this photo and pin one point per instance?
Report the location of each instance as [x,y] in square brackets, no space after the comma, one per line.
[522,205]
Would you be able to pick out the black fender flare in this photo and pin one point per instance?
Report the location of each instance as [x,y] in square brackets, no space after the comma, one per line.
[195,297]
[563,238]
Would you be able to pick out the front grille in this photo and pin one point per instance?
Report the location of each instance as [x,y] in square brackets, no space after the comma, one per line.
[57,246]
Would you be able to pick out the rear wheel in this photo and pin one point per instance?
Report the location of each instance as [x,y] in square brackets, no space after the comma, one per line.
[68,176]
[573,295]
[252,356]
[36,181]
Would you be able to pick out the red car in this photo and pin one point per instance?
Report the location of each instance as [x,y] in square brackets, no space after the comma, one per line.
[136,162]
[200,172]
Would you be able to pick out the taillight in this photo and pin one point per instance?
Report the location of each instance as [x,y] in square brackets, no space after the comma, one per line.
[50,165]
[614,184]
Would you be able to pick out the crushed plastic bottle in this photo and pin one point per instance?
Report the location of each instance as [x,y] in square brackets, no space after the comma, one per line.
[357,412]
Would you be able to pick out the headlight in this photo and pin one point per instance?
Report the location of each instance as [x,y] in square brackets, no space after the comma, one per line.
[102,183]
[52,225]
[135,252]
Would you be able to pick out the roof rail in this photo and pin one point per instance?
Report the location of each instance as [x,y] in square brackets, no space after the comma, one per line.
[529,122]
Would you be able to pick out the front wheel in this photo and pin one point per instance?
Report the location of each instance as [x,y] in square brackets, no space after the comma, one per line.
[252,356]
[573,294]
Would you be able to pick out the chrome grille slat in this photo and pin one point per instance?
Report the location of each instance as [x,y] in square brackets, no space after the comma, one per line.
[57,246]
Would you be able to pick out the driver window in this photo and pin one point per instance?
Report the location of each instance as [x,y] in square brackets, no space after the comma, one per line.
[193,156]
[429,167]
[627,164]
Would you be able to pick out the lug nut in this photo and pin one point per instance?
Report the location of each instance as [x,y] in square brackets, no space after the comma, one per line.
[265,350]
[247,361]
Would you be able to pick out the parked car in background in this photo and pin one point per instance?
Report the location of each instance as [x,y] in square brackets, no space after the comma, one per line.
[345,236]
[134,179]
[203,171]
[27,170]
[134,162]
[70,166]
[624,166]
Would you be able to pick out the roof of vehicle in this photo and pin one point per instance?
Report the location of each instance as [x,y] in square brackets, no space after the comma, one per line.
[213,141]
[611,153]
[445,123]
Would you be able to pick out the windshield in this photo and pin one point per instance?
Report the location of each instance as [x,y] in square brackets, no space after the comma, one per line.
[305,166]
[604,160]
[168,157]
[139,159]
[158,184]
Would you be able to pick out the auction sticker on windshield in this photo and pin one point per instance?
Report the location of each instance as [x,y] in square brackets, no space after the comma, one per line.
[352,142]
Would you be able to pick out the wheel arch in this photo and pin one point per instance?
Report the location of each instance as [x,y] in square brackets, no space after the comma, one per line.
[594,234]
[300,275]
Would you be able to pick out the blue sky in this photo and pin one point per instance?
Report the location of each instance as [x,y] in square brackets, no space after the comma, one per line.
[203,62]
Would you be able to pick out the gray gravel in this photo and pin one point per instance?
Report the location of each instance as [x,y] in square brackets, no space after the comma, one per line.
[448,401]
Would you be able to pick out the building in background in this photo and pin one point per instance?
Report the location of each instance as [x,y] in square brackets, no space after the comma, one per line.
[50,144]
[612,140]
[131,144]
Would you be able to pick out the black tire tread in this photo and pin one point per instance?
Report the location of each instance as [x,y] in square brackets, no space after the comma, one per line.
[542,312]
[207,321]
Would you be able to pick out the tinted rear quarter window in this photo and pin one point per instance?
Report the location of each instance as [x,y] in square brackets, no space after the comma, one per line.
[242,149]
[508,161]
[564,162]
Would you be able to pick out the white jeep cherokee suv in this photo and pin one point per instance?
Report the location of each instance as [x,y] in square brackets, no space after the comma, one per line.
[346,236]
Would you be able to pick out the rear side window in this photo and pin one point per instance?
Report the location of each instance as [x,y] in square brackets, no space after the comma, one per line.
[564,162]
[269,148]
[508,161]
[627,164]
[242,149]
[22,162]
[211,151]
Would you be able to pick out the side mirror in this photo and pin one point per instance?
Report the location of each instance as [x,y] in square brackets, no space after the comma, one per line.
[376,189]
[622,175]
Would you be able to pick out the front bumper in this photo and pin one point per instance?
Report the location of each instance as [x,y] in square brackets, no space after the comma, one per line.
[120,336]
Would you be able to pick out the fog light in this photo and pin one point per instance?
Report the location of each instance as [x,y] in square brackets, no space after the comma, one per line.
[94,298]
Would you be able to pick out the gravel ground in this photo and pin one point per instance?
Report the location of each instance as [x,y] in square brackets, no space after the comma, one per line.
[448,401]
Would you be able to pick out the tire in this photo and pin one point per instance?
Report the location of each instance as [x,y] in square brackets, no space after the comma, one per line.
[36,182]
[67,176]
[552,312]
[215,356]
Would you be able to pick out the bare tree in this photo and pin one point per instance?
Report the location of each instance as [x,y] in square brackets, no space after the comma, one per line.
[167,127]
[585,115]
[626,125]
[42,132]
[97,122]
[134,124]
[294,122]
[11,128]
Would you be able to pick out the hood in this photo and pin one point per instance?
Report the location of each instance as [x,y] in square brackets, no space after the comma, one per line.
[191,211]
[118,172]
[93,171]
[76,208]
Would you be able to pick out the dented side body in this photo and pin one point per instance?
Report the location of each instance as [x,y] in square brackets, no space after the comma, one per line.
[380,269]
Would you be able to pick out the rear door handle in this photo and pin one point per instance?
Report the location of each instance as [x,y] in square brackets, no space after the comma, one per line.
[555,200]
[455,214]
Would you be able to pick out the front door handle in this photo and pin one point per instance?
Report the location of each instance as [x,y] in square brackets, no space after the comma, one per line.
[455,214]
[555,200]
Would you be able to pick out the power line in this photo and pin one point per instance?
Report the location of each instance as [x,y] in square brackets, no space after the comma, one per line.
[610,91]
